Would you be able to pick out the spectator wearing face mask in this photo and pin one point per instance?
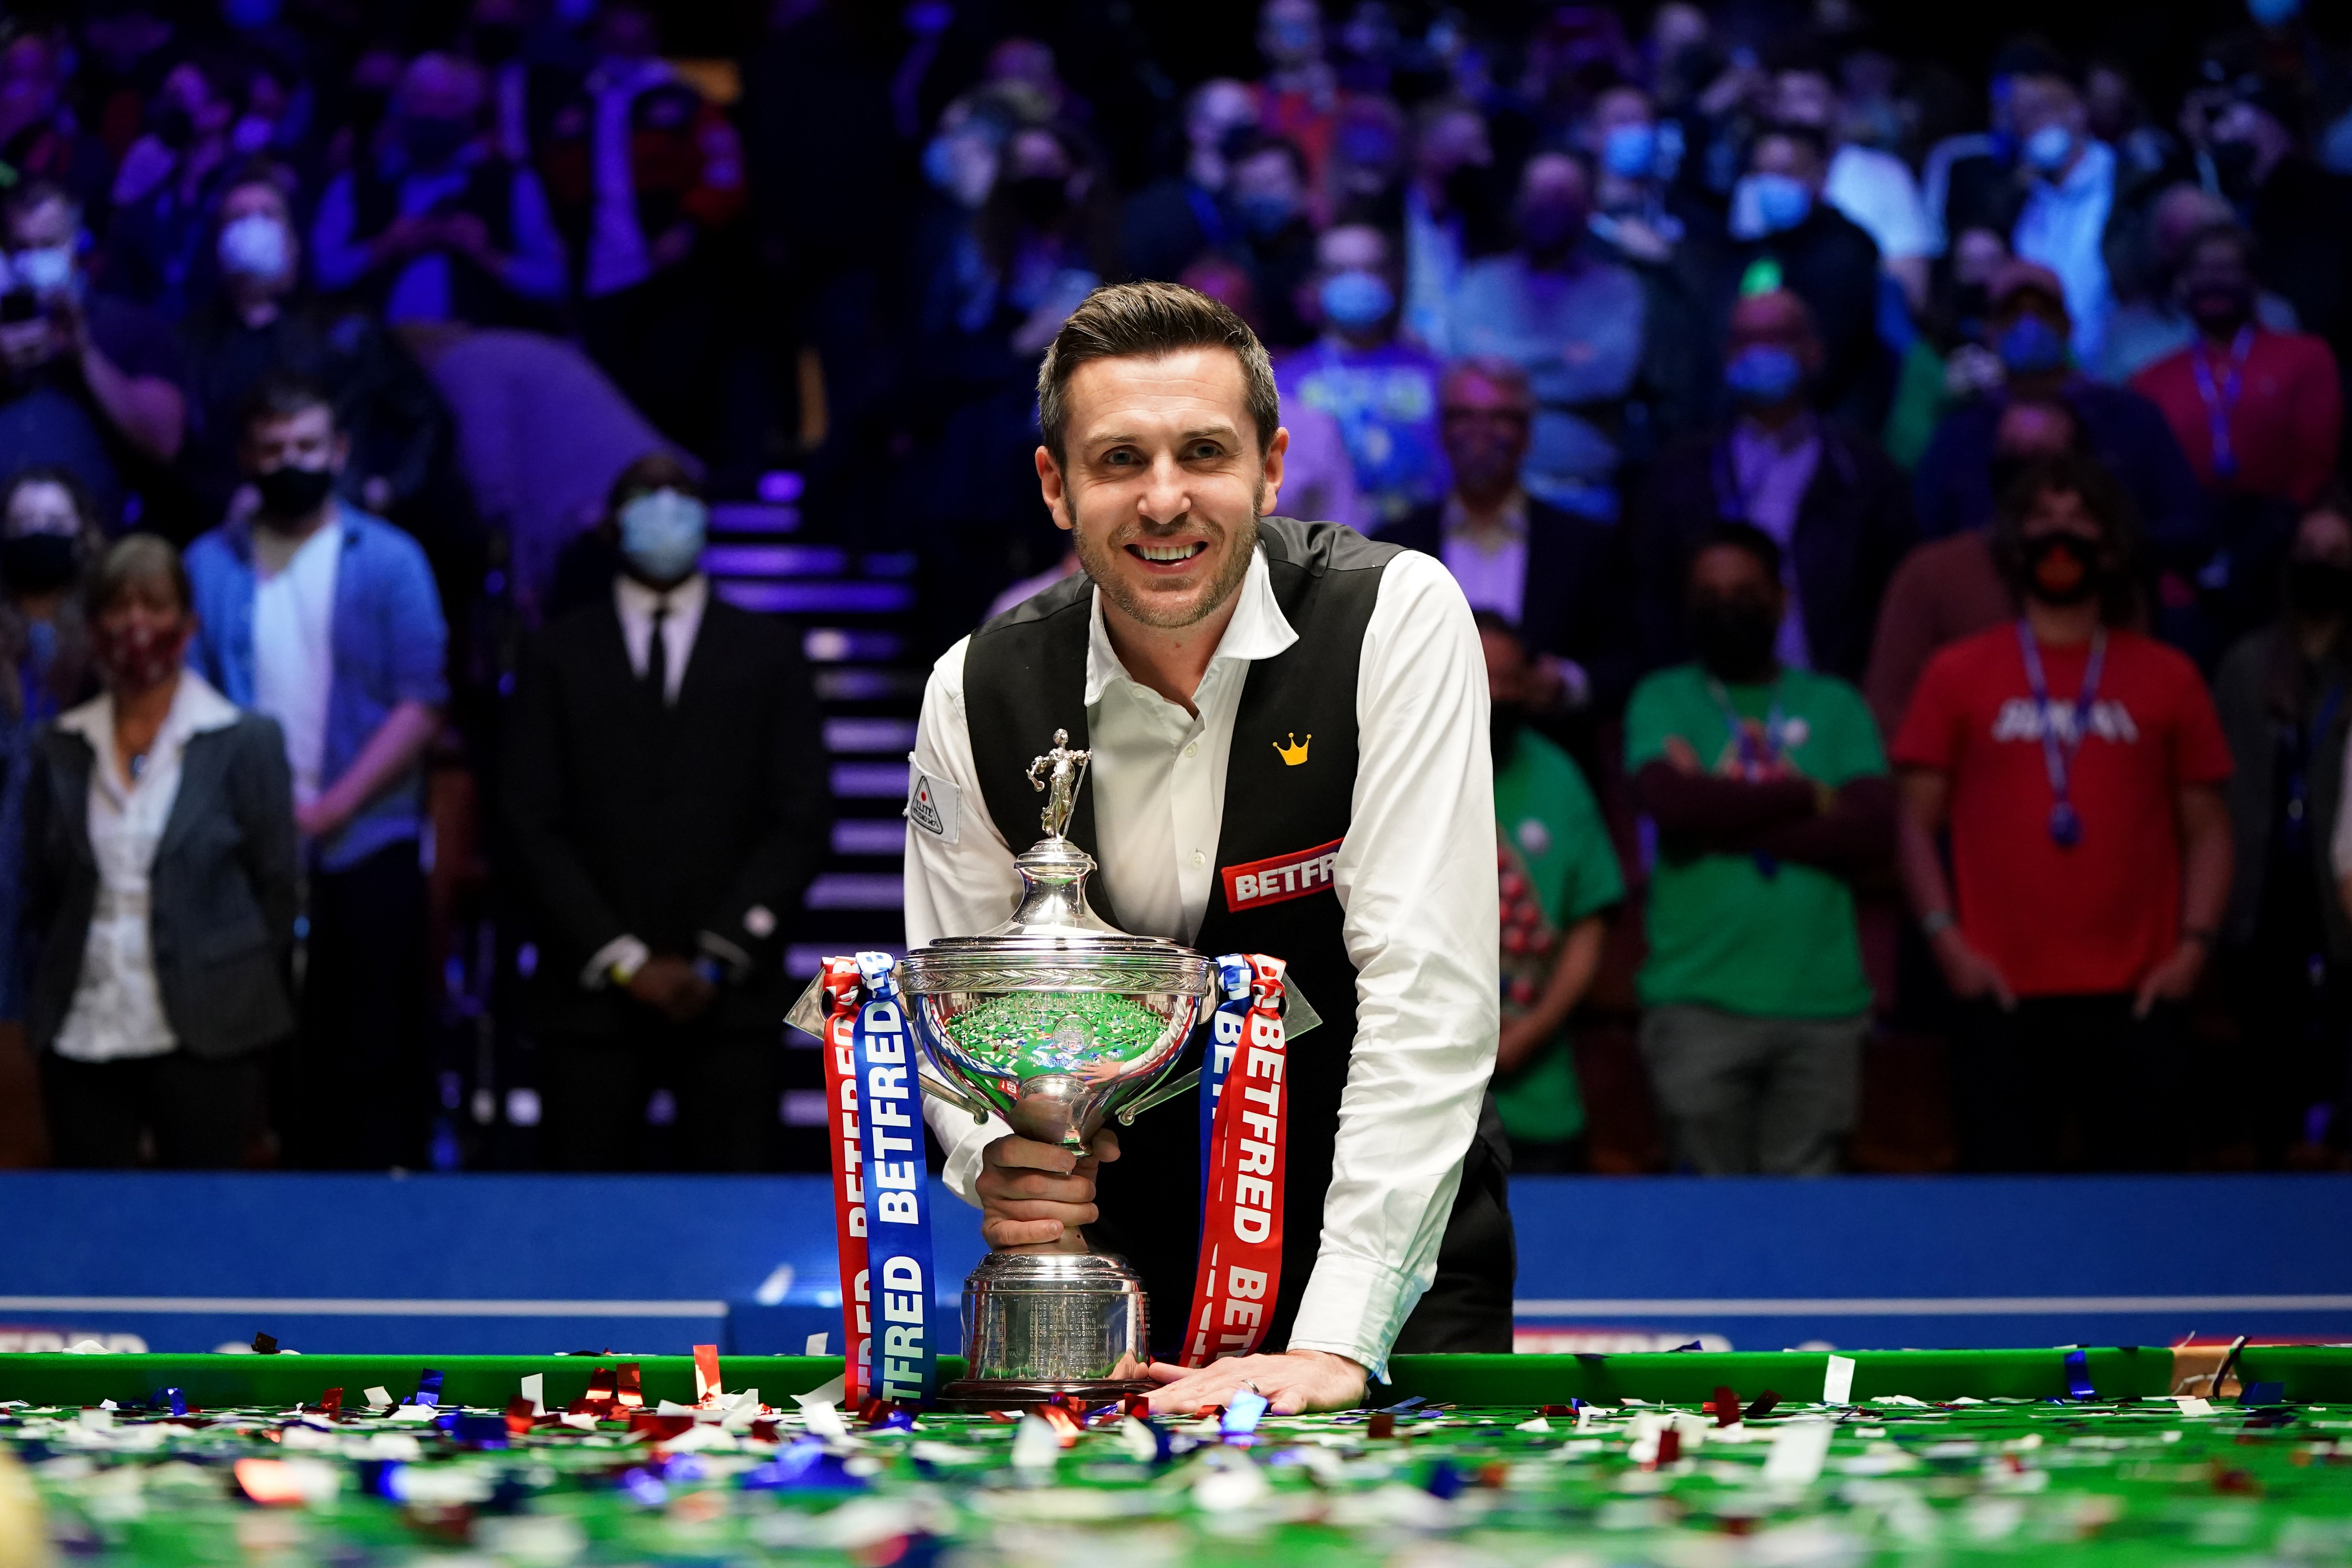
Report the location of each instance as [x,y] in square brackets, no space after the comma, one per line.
[1950,588]
[40,137]
[2300,213]
[666,819]
[2257,412]
[2154,324]
[1875,189]
[1783,235]
[167,181]
[1451,212]
[645,174]
[162,891]
[1770,796]
[1560,878]
[437,226]
[47,532]
[1549,573]
[2070,193]
[1636,160]
[88,382]
[326,618]
[1573,321]
[2029,332]
[2078,768]
[263,319]
[2286,944]
[1044,239]
[1169,224]
[1383,392]
[1830,500]
[1269,191]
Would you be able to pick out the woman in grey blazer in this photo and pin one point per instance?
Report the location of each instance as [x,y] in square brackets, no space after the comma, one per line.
[160,847]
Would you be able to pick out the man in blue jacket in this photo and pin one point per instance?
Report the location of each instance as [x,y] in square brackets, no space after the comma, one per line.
[326,618]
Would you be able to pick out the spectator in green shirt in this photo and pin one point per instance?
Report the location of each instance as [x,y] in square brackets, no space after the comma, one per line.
[1767,788]
[1559,875]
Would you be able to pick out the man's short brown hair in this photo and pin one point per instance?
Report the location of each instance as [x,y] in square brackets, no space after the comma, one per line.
[1150,320]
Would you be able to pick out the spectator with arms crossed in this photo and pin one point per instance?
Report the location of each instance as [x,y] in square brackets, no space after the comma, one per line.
[1770,794]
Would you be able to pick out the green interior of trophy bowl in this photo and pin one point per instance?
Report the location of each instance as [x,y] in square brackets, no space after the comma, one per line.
[1091,1034]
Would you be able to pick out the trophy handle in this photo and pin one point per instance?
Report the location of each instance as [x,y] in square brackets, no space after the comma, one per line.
[941,1089]
[1165,1092]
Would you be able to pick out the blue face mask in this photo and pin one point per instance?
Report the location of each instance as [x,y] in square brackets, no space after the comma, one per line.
[1355,299]
[662,535]
[1631,152]
[1777,202]
[1763,374]
[2047,150]
[1266,216]
[2031,346]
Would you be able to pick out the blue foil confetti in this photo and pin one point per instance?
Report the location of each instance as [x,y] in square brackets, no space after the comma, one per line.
[1242,1412]
[644,1488]
[2078,1374]
[428,1387]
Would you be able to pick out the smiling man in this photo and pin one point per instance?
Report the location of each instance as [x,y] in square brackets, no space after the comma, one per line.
[1257,692]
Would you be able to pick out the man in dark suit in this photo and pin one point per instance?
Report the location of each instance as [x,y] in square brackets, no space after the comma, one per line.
[1545,570]
[666,794]
[1829,497]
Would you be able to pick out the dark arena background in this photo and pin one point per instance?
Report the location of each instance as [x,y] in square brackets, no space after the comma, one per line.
[493,494]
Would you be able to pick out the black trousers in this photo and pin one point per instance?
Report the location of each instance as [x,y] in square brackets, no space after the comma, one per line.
[360,1063]
[199,1112]
[726,1085]
[1468,1308]
[2070,1083]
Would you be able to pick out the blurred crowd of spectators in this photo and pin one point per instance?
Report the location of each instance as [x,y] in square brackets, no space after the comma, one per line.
[1742,369]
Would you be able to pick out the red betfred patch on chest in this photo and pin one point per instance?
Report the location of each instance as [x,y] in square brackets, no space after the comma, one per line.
[1278,879]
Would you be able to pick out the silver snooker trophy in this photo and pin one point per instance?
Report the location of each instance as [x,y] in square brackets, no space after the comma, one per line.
[1054,1021]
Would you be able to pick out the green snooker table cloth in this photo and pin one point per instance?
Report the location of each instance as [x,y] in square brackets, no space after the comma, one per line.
[1692,1460]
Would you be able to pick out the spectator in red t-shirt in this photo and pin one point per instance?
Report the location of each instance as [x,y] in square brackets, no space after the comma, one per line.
[2079,767]
[2258,411]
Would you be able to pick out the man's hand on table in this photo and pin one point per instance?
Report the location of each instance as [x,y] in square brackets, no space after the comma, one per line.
[1037,1195]
[1295,1381]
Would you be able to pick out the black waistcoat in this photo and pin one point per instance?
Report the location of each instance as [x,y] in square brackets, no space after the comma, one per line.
[1025,677]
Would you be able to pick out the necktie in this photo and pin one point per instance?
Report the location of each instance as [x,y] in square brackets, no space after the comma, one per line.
[657,660]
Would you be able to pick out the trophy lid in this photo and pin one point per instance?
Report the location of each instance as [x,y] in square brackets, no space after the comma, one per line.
[1053,940]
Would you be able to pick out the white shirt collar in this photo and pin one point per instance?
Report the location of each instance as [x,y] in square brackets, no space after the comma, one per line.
[196,708]
[634,599]
[1258,630]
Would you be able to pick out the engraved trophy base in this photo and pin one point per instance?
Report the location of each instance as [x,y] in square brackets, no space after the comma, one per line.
[1046,1327]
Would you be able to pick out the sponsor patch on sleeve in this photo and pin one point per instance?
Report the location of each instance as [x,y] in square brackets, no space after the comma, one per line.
[1280,878]
[933,805]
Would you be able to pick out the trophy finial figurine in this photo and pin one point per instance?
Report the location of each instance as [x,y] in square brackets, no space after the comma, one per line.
[1067,766]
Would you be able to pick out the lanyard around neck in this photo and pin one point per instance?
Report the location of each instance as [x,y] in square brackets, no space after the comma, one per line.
[2057,750]
[2221,399]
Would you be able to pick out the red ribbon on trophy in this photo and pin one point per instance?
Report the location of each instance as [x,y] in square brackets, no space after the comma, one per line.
[1241,1211]
[841,982]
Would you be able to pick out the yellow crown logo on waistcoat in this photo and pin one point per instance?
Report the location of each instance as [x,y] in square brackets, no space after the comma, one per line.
[1296,752]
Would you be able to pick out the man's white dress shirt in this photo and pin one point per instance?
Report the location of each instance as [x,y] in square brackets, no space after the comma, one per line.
[117,1014]
[637,604]
[2064,227]
[1415,878]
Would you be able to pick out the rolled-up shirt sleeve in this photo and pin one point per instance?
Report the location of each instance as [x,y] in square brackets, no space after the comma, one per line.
[1423,926]
[960,879]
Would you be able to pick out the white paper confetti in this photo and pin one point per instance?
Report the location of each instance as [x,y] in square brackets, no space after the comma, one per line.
[1837,1382]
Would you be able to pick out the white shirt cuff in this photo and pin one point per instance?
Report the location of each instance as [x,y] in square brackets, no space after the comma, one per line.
[626,951]
[1354,1307]
[960,1148]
